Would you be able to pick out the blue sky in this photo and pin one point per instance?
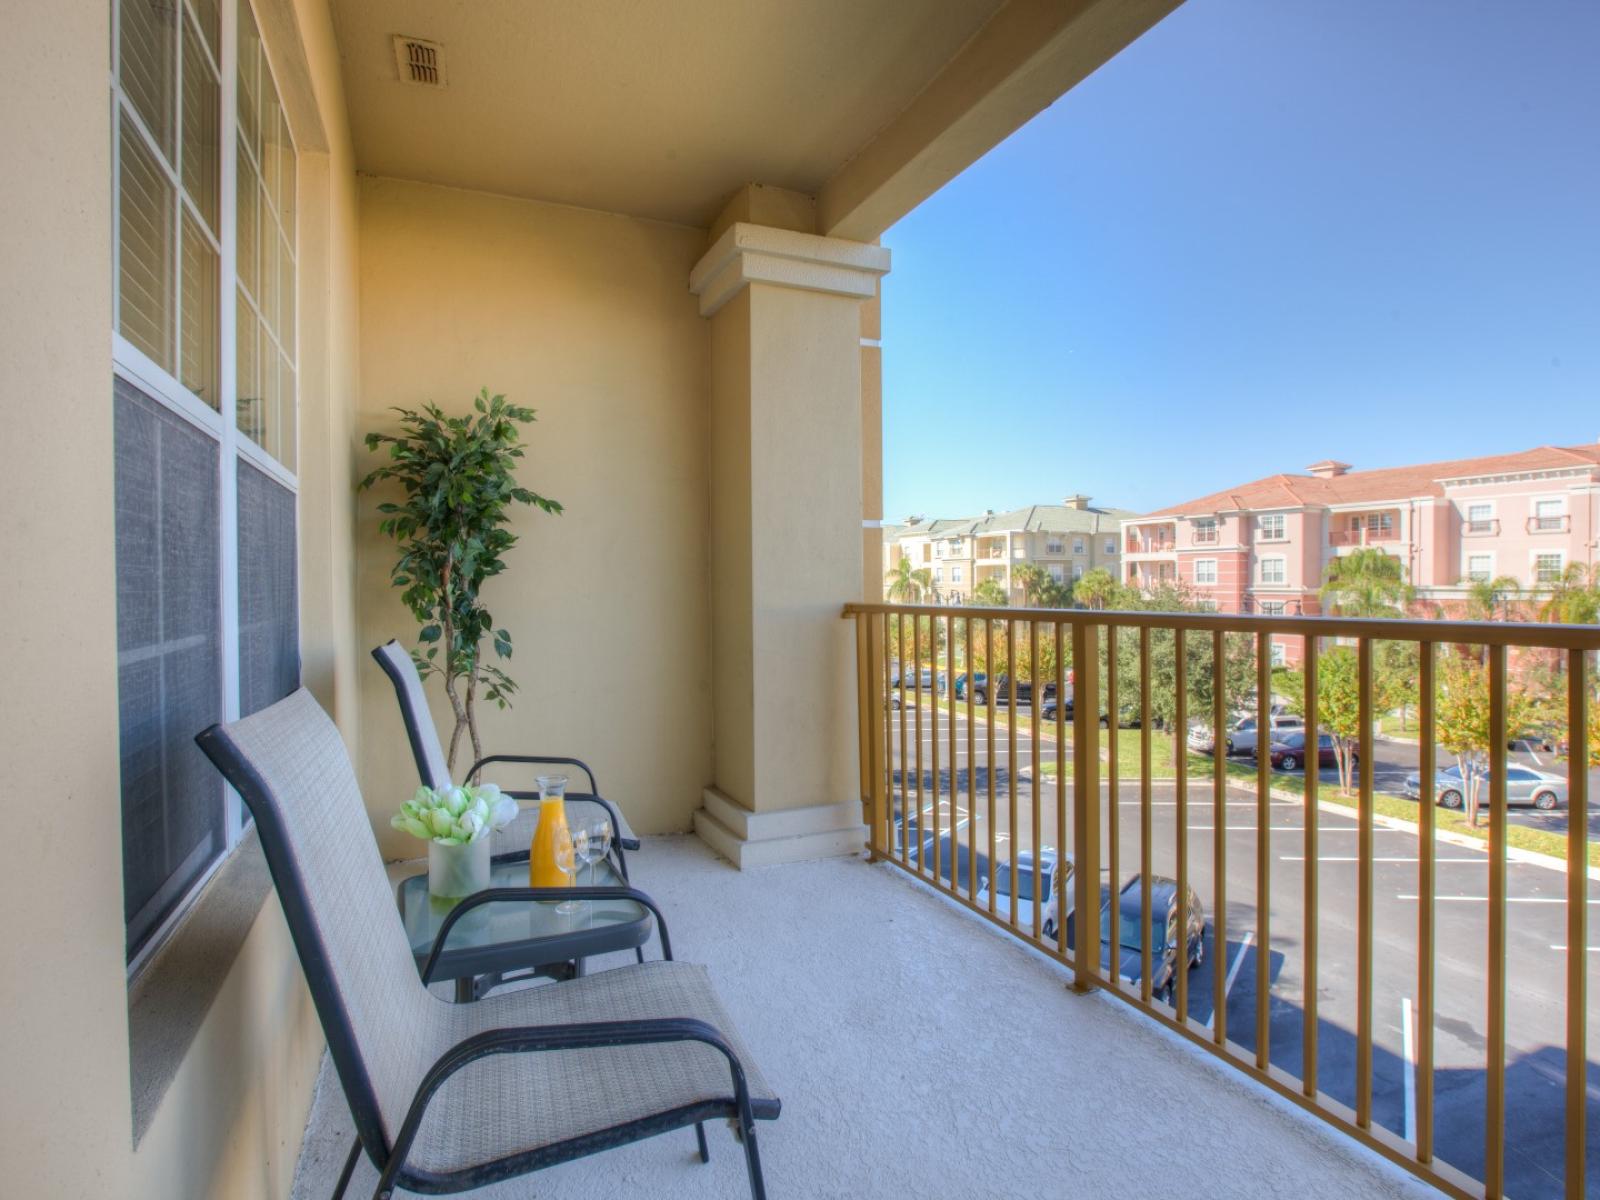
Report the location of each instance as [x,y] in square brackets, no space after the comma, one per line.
[1269,232]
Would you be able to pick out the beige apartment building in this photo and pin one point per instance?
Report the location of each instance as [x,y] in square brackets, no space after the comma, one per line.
[1067,540]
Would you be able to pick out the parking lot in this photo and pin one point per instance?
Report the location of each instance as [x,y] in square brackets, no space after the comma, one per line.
[1536,954]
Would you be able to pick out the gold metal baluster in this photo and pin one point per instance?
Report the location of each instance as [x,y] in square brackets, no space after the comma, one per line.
[988,695]
[1086,804]
[863,710]
[1113,804]
[1494,1150]
[1577,916]
[1036,690]
[916,667]
[1364,827]
[904,830]
[1146,833]
[1180,735]
[933,737]
[1426,880]
[1219,836]
[1264,850]
[1308,995]
[1011,767]
[955,773]
[972,779]
[1061,793]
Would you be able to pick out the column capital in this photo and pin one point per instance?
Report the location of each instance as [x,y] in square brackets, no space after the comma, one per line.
[747,254]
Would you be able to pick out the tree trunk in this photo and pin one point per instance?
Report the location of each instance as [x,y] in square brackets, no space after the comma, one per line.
[471,712]
[457,709]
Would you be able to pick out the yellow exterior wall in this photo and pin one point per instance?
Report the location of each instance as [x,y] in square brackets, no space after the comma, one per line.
[587,318]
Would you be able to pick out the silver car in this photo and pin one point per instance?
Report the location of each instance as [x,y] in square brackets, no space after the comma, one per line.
[1524,785]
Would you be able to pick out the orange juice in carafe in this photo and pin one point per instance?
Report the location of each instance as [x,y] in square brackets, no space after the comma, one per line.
[552,843]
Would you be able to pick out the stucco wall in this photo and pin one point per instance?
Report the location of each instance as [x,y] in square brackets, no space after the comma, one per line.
[587,318]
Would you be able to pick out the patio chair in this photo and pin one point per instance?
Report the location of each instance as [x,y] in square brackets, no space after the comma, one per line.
[513,840]
[450,1097]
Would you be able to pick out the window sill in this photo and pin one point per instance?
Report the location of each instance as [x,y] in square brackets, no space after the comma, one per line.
[170,996]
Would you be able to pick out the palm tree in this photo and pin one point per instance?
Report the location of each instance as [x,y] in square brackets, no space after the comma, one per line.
[1366,583]
[1034,581]
[1574,597]
[908,583]
[990,593]
[1096,588]
[1493,599]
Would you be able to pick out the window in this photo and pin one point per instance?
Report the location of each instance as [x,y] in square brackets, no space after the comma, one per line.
[1272,570]
[953,547]
[1055,546]
[1549,515]
[1273,608]
[1056,572]
[1547,568]
[1280,654]
[1205,530]
[1480,518]
[1205,570]
[1480,567]
[1270,528]
[1111,545]
[1077,545]
[938,574]
[204,430]
[1205,605]
[1077,570]
[955,574]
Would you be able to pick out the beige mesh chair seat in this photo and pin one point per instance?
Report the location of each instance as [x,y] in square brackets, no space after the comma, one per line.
[451,1097]
[434,772]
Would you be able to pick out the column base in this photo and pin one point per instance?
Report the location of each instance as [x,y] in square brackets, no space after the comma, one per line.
[749,839]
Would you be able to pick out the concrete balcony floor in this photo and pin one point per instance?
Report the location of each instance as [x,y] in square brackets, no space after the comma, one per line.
[920,1052]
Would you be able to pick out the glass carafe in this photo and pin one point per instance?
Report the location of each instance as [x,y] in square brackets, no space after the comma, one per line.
[552,843]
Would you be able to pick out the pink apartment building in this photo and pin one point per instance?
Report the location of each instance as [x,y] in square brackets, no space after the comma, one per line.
[1264,546]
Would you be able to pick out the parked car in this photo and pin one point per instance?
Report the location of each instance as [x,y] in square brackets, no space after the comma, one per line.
[908,681]
[961,867]
[1536,741]
[1029,879]
[1164,939]
[1288,752]
[1127,716]
[1002,691]
[1524,785]
[978,680]
[1060,880]
[1240,737]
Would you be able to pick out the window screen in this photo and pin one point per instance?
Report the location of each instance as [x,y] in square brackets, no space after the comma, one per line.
[169,655]
[269,627]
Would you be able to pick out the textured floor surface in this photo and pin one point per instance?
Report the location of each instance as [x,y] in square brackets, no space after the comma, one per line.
[920,1053]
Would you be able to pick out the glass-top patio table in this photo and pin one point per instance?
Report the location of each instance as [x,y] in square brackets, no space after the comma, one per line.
[500,934]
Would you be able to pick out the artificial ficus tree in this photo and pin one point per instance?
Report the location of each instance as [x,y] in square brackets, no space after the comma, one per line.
[455,475]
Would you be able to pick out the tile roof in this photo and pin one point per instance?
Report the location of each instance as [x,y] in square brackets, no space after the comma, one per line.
[1035,518]
[1385,483]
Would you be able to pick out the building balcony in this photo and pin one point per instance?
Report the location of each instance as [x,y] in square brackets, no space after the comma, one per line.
[1560,524]
[1346,538]
[871,1004]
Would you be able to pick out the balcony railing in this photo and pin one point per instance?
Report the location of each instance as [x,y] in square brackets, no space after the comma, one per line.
[1019,847]
[1561,524]
[1151,545]
[1485,528]
[1361,537]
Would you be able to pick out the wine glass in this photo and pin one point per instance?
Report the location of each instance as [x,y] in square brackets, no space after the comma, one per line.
[596,843]
[569,850]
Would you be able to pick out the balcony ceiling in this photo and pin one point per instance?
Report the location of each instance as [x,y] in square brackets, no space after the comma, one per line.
[653,110]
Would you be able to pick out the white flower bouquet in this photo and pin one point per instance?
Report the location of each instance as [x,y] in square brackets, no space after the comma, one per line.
[455,816]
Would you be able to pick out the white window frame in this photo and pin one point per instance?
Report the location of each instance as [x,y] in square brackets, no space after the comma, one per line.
[955,574]
[1533,565]
[1111,546]
[1468,520]
[1466,570]
[1282,564]
[1274,608]
[167,390]
[1279,653]
[1205,531]
[1205,567]
[1077,545]
[1268,521]
[938,574]
[1535,517]
[1054,545]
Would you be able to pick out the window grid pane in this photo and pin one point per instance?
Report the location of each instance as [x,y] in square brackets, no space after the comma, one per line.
[201,356]
[202,149]
[147,67]
[145,300]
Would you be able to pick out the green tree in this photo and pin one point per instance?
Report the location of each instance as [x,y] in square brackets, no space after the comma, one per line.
[1099,589]
[1574,598]
[907,583]
[1366,583]
[456,478]
[1497,599]
[1461,714]
[1035,583]
[990,593]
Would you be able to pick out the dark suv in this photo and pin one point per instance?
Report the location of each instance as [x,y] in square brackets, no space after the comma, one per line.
[1002,691]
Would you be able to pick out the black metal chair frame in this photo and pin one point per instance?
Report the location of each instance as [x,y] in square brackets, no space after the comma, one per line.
[390,1159]
[414,735]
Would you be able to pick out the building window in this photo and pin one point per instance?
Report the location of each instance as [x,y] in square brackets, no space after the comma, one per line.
[1111,546]
[1270,528]
[204,430]
[955,574]
[1480,518]
[1077,545]
[1480,567]
[1077,571]
[1273,608]
[1549,515]
[938,574]
[953,547]
[1280,654]
[1055,546]
[1205,604]
[1205,570]
[1272,571]
[1205,530]
[1547,568]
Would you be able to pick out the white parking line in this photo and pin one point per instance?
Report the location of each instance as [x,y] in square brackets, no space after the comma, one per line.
[1233,971]
[1509,899]
[1408,1041]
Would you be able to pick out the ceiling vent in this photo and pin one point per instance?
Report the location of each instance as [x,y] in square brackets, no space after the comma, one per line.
[419,61]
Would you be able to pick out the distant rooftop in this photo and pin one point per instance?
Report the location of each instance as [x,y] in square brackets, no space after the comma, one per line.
[1333,482]
[1077,515]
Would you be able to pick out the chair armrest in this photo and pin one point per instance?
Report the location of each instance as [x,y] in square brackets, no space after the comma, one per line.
[531,894]
[535,758]
[533,1039]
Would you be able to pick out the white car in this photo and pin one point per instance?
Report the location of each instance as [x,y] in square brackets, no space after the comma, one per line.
[1240,737]
[999,882]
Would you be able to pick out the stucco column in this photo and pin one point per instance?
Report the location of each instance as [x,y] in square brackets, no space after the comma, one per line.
[786,529]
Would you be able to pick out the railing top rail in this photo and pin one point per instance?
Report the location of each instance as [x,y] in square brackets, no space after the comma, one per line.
[1481,633]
